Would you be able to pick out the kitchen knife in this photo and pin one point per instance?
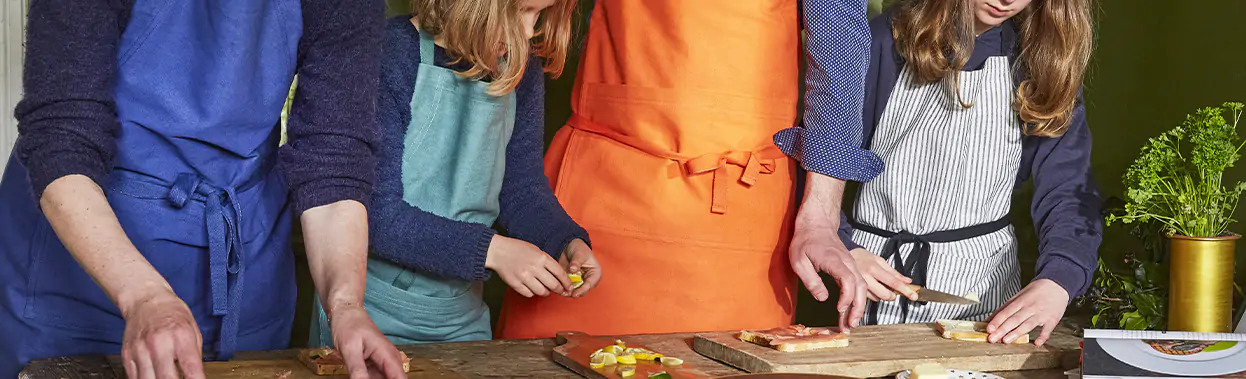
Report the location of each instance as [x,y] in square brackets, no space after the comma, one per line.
[927,295]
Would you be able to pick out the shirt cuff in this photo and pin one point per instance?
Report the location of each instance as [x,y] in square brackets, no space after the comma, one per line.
[477,261]
[825,155]
[1069,275]
[576,232]
[329,191]
[43,169]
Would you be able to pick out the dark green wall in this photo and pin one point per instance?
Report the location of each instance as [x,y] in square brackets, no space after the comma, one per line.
[1155,61]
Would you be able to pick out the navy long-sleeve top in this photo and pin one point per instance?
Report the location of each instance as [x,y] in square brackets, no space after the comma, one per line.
[413,238]
[1067,205]
[67,120]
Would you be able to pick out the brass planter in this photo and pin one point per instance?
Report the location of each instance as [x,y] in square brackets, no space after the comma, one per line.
[1200,294]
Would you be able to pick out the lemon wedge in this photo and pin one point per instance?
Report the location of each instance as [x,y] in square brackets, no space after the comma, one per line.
[627,372]
[671,361]
[626,359]
[642,354]
[576,280]
[603,359]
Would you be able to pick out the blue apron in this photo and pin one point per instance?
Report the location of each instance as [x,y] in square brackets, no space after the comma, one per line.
[199,91]
[453,162]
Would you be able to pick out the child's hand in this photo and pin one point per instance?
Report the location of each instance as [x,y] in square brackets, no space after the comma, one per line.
[881,280]
[525,268]
[578,258]
[1042,303]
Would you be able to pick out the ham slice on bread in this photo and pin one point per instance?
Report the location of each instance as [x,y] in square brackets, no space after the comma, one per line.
[795,338]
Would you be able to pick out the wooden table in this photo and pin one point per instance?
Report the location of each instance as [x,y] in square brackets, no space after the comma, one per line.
[483,359]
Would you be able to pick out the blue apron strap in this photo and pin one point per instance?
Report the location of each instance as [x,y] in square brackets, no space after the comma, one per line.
[426,48]
[225,263]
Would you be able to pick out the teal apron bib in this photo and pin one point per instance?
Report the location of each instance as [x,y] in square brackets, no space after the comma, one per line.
[454,158]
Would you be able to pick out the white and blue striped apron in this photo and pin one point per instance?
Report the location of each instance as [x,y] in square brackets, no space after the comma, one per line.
[939,212]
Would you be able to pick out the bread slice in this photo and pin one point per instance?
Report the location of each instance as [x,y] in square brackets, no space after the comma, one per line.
[969,331]
[327,361]
[786,343]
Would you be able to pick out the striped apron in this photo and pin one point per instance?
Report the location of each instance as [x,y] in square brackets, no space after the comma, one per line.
[939,212]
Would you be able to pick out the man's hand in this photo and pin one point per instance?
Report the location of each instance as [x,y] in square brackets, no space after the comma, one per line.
[882,282]
[162,339]
[579,258]
[816,247]
[1042,303]
[361,343]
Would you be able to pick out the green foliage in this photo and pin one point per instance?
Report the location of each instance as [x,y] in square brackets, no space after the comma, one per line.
[1176,180]
[1132,292]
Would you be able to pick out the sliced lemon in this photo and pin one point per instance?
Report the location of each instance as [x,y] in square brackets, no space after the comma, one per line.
[671,361]
[615,349]
[626,359]
[576,280]
[627,372]
[603,359]
[642,354]
[620,343]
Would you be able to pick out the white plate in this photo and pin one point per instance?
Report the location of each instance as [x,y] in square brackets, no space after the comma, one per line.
[956,374]
[1207,363]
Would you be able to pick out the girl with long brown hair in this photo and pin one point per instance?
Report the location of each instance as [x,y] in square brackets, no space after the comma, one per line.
[461,113]
[965,101]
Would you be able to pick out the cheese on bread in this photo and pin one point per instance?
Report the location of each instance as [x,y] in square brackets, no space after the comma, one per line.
[969,331]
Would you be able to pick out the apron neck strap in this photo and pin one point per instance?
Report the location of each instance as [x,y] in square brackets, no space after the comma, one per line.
[426,48]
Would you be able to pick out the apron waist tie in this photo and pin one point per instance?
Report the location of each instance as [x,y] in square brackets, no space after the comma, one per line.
[918,264]
[754,162]
[224,229]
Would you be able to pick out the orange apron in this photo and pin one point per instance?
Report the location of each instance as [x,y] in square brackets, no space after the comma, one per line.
[669,163]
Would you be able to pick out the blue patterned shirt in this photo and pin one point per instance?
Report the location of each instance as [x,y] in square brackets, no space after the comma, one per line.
[838,44]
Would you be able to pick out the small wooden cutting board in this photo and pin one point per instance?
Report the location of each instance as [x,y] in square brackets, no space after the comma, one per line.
[575,349]
[885,350]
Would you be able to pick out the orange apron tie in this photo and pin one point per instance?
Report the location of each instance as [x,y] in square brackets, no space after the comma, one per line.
[755,163]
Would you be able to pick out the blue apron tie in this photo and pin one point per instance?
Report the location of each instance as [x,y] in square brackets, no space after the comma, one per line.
[221,212]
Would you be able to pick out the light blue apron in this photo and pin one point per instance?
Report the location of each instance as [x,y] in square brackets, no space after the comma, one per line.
[454,158]
[199,90]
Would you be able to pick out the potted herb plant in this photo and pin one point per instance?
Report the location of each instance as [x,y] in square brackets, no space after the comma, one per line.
[1176,182]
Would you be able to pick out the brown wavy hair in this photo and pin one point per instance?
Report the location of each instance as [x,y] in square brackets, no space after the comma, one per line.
[471,29]
[936,38]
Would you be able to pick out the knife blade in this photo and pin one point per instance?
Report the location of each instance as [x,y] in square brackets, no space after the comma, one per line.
[931,296]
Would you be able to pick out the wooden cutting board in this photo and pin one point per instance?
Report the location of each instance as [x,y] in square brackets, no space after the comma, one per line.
[277,367]
[575,349]
[885,350]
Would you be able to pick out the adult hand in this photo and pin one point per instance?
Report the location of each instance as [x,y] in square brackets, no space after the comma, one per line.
[818,249]
[882,282]
[525,268]
[361,343]
[162,339]
[578,258]
[1042,303]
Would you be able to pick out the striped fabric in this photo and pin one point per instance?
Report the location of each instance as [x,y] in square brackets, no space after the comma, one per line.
[948,168]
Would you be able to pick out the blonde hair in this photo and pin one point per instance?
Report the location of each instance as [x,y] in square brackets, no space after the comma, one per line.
[471,29]
[936,38]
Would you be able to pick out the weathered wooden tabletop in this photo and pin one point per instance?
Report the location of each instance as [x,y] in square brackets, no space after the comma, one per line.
[483,359]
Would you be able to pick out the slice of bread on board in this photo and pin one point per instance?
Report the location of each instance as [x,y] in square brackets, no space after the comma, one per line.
[969,331]
[799,344]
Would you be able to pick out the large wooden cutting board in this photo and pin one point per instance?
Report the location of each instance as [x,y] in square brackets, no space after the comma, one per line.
[289,367]
[886,350]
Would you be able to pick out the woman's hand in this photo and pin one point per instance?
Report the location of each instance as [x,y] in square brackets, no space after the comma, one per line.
[578,258]
[162,339]
[881,280]
[525,268]
[1042,303]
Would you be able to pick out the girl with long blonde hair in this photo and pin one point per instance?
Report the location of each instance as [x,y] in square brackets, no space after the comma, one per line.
[461,114]
[966,100]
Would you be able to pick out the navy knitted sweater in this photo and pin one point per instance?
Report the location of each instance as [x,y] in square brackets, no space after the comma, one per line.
[413,238]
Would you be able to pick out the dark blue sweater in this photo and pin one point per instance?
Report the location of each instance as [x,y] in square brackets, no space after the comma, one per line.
[67,121]
[1066,207]
[429,243]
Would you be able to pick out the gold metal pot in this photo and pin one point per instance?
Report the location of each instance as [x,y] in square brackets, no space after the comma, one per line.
[1200,294]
